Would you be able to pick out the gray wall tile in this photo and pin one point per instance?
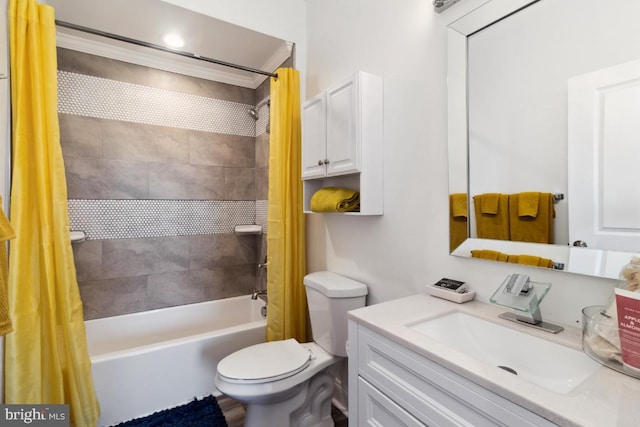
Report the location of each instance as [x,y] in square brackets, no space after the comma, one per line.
[84,178]
[262,184]
[87,257]
[137,257]
[171,289]
[262,150]
[103,298]
[174,181]
[239,280]
[106,179]
[80,136]
[108,159]
[217,149]
[210,282]
[261,273]
[145,143]
[125,179]
[220,250]
[240,183]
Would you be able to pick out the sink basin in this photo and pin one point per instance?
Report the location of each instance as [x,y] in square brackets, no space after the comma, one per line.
[552,366]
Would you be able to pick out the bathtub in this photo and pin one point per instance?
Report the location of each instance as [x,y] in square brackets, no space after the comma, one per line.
[149,361]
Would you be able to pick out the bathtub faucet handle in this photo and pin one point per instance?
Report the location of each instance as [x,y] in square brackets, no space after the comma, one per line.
[259,294]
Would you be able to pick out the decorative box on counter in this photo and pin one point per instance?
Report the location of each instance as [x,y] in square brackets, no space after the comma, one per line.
[452,290]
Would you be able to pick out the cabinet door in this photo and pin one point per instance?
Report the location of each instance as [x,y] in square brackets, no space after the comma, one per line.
[343,138]
[314,137]
[376,409]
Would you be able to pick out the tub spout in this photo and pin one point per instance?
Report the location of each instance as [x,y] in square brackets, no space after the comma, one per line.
[259,294]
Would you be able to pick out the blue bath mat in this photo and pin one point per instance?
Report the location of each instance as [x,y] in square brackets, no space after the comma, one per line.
[199,413]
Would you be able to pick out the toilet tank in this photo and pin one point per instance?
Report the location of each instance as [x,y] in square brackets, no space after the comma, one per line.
[330,296]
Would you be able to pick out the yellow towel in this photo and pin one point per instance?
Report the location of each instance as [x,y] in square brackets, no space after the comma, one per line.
[528,260]
[531,260]
[489,203]
[6,233]
[489,254]
[528,204]
[335,199]
[545,262]
[513,259]
[458,205]
[492,225]
[458,230]
[538,229]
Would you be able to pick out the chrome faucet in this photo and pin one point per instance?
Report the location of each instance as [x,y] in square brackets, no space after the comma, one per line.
[259,294]
[524,296]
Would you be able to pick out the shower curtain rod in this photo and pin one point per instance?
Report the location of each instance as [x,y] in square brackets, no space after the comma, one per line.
[161,48]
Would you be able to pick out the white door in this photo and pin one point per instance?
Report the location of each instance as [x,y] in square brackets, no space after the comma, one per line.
[604,158]
[314,137]
[342,128]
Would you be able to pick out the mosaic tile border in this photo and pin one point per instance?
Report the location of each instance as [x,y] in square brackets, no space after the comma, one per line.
[111,99]
[261,213]
[263,118]
[124,219]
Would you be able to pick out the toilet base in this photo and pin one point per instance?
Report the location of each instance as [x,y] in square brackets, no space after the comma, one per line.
[309,407]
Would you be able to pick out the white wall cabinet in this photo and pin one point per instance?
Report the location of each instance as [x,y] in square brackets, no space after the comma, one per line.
[392,385]
[342,140]
[314,137]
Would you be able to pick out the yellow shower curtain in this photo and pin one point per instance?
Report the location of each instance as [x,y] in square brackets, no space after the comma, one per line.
[46,358]
[287,308]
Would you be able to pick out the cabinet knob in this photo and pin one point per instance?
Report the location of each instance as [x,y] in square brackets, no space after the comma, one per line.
[326,161]
[320,163]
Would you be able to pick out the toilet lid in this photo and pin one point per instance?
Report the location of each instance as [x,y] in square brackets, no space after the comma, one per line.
[265,362]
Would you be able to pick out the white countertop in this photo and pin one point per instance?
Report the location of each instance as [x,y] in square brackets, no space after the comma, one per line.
[608,398]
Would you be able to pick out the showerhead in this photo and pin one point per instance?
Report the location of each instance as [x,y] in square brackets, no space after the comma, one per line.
[253,112]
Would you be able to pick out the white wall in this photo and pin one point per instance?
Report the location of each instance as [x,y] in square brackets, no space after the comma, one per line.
[407,247]
[396,254]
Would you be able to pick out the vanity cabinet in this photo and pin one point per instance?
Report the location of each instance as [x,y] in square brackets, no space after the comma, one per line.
[390,385]
[342,135]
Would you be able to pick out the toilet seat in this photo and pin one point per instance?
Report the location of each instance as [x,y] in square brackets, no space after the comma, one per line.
[265,362]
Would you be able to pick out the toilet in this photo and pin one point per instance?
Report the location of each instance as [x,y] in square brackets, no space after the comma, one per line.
[286,383]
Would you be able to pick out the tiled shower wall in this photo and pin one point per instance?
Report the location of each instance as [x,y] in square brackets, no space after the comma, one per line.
[160,167]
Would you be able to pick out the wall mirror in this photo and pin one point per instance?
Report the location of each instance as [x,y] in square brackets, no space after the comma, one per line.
[542,99]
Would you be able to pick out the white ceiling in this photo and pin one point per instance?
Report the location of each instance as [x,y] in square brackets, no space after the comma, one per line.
[150,20]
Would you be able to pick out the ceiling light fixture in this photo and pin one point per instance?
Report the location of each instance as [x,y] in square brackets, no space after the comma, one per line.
[173,40]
